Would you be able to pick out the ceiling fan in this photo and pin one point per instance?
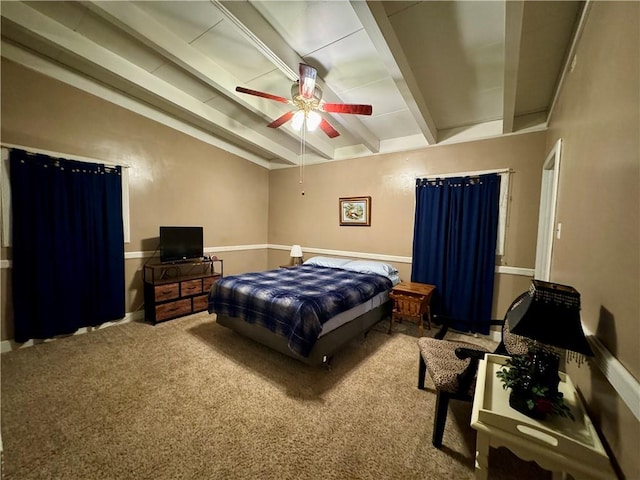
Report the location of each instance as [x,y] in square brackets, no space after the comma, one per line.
[306,96]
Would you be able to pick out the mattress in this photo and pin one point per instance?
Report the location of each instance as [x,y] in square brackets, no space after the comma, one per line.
[347,316]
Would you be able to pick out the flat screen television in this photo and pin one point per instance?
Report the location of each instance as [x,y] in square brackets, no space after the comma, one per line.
[179,244]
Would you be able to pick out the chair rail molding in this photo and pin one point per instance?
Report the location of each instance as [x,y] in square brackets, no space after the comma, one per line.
[618,376]
[622,381]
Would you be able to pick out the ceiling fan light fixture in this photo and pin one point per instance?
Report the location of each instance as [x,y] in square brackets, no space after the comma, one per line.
[313,120]
[306,97]
[297,120]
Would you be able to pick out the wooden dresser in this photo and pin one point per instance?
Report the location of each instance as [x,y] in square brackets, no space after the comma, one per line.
[172,291]
[412,300]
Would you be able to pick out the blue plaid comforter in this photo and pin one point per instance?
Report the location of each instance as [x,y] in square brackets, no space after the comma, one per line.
[294,302]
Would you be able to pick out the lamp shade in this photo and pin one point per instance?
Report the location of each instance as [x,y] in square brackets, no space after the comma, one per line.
[296,251]
[550,314]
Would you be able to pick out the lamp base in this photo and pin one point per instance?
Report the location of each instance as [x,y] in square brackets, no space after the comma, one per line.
[538,385]
[297,260]
[545,369]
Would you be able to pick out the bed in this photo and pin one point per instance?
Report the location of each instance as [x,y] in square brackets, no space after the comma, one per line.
[307,312]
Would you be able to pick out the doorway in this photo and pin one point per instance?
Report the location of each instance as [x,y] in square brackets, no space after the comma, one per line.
[547,215]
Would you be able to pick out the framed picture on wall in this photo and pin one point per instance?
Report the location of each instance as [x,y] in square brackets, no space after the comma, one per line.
[355,211]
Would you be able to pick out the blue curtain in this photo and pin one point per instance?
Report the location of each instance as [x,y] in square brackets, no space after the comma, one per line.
[454,245]
[67,245]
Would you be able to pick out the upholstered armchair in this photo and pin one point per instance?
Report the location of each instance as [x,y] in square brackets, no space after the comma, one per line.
[453,365]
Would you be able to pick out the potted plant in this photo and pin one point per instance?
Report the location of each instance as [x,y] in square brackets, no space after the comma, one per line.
[533,381]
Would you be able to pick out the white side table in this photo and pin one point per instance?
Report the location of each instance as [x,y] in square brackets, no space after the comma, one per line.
[558,444]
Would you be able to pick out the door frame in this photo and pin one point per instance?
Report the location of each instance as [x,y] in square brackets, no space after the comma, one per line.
[547,213]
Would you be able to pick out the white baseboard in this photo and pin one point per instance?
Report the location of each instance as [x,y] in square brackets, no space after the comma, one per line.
[10,345]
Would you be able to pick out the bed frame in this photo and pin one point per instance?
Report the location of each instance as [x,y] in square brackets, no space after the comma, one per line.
[324,348]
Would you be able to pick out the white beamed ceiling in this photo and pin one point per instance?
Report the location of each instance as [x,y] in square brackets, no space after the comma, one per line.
[434,71]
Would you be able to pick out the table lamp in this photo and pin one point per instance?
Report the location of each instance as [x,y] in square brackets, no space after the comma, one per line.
[549,316]
[296,254]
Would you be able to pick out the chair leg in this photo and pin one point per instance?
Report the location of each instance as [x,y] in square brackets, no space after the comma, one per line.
[422,369]
[442,405]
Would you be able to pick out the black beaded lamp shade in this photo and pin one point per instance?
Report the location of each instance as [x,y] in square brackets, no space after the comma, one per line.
[550,314]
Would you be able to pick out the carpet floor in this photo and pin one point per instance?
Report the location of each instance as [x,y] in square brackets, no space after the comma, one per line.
[189,399]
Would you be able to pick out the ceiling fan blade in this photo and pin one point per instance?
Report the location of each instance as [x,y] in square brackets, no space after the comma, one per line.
[328,129]
[262,94]
[347,108]
[307,82]
[281,120]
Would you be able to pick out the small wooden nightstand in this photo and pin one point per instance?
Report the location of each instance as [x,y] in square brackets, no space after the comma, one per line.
[289,266]
[412,300]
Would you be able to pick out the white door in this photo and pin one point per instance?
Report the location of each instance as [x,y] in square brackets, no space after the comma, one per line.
[547,216]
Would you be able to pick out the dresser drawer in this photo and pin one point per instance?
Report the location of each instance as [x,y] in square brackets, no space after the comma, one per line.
[173,309]
[208,283]
[191,287]
[200,303]
[166,291]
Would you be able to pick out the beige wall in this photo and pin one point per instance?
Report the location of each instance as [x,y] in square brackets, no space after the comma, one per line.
[174,179]
[597,118]
[311,220]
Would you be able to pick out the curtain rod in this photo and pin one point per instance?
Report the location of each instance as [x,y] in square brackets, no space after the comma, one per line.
[64,155]
[464,174]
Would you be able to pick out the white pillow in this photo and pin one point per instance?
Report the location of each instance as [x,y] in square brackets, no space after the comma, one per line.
[327,262]
[368,266]
[395,279]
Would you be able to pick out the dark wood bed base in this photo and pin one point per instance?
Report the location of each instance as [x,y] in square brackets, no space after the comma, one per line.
[326,345]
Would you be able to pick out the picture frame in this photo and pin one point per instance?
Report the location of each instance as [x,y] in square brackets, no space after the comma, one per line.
[355,211]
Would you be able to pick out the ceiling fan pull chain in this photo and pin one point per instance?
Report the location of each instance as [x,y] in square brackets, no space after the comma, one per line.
[303,134]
